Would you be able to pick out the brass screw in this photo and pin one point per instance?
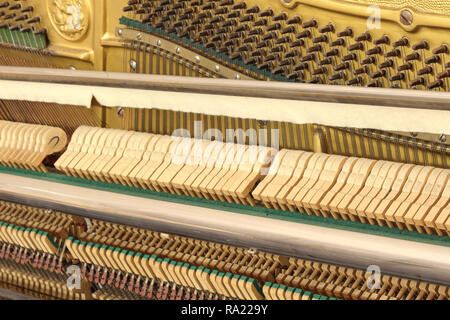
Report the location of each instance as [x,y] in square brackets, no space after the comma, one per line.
[442,138]
[406,17]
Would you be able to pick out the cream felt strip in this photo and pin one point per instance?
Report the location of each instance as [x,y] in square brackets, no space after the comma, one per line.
[325,113]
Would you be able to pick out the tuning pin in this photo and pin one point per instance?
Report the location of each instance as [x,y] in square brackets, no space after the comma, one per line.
[398,77]
[346,33]
[21,18]
[277,49]
[319,71]
[4,5]
[266,65]
[275,26]
[387,64]
[271,57]
[263,44]
[378,74]
[412,56]
[239,6]
[254,9]
[350,57]
[421,45]
[208,6]
[337,76]
[417,82]
[229,23]
[280,17]
[282,40]
[404,67]
[280,70]
[426,70]
[236,55]
[288,29]
[224,10]
[9,16]
[233,15]
[369,60]
[355,81]
[382,40]
[226,3]
[309,57]
[291,54]
[319,39]
[356,46]
[315,80]
[361,70]
[258,53]
[442,75]
[15,7]
[433,59]
[373,51]
[260,23]
[332,53]
[338,42]
[393,53]
[252,60]
[295,75]
[243,27]
[266,13]
[326,61]
[309,24]
[297,43]
[250,39]
[436,84]
[315,48]
[364,37]
[303,34]
[401,43]
[342,66]
[231,43]
[442,49]
[34,20]
[269,36]
[129,8]
[286,62]
[374,84]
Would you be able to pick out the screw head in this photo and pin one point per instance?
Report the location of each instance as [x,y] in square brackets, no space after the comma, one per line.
[197,59]
[442,138]
[119,32]
[139,36]
[72,68]
[406,17]
[237,77]
[414,134]
[158,42]
[133,64]
[217,68]
[120,112]
[177,50]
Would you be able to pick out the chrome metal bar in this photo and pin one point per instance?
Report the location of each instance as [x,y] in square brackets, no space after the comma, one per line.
[13,295]
[394,256]
[416,99]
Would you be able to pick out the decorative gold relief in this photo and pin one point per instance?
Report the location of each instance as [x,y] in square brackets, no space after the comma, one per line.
[70,18]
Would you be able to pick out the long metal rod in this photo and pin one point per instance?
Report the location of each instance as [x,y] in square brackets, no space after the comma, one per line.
[416,99]
[394,256]
[13,295]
